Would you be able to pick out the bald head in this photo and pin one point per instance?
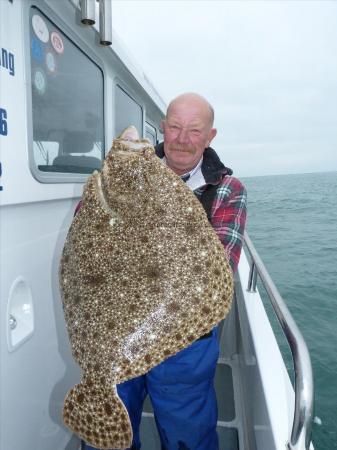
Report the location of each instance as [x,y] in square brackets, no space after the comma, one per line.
[188,130]
[193,100]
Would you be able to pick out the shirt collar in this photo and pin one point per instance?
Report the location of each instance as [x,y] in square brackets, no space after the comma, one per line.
[196,178]
[191,172]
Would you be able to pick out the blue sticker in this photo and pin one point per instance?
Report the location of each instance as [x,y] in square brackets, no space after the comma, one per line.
[37,50]
[3,122]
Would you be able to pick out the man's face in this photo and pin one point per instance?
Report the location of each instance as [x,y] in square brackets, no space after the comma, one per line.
[187,132]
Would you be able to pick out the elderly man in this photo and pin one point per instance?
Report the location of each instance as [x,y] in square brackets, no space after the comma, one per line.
[188,132]
[181,388]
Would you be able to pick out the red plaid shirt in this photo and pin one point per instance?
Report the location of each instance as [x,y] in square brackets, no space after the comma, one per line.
[228,216]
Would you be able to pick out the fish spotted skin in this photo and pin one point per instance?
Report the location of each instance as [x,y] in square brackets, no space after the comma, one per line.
[142,276]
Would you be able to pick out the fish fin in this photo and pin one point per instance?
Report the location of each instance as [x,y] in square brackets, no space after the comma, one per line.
[98,416]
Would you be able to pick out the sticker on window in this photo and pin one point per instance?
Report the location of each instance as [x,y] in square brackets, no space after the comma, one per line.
[39,80]
[50,62]
[40,28]
[57,42]
[37,50]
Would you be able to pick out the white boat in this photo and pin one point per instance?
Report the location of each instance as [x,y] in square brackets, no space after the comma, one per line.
[63,96]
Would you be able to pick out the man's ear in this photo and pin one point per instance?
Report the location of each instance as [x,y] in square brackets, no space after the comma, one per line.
[162,125]
[211,135]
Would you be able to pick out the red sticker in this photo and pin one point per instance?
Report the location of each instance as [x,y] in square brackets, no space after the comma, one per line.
[57,42]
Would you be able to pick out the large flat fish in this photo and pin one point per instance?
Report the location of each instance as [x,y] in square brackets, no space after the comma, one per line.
[142,276]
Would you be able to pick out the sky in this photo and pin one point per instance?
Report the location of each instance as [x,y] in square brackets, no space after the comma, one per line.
[269,68]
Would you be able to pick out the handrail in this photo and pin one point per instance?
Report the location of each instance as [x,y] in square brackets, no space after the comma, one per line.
[304,387]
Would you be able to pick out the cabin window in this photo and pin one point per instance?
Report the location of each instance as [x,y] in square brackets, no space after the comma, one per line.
[151,133]
[128,112]
[67,102]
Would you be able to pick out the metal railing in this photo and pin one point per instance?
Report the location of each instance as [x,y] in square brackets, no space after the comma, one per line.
[304,386]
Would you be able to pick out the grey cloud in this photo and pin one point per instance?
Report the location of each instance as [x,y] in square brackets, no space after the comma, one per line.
[268,67]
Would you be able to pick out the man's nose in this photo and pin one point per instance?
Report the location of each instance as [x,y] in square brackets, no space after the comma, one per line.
[182,137]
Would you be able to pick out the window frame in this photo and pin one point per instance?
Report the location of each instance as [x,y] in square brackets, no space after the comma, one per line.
[149,127]
[127,90]
[56,177]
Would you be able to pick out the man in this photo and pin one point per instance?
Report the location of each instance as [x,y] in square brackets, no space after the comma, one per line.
[181,388]
[188,132]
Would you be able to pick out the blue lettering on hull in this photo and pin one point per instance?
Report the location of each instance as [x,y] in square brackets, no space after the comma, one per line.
[7,61]
[3,122]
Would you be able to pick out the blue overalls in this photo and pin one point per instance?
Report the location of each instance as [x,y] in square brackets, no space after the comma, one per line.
[183,398]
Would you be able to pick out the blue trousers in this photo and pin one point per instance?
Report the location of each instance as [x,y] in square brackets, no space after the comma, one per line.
[183,398]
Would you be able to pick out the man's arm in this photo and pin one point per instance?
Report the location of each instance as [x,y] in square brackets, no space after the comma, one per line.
[229,217]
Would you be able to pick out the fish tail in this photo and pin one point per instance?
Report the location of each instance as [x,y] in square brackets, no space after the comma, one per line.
[96,414]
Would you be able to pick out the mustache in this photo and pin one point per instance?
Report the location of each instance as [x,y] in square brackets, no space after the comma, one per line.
[190,150]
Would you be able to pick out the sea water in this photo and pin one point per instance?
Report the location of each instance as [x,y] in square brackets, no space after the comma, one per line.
[292,221]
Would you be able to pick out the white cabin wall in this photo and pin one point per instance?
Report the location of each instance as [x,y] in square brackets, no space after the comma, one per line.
[35,217]
[38,372]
